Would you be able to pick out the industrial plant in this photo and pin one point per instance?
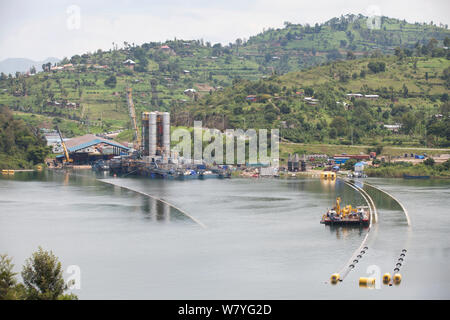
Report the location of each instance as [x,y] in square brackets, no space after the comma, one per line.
[156,136]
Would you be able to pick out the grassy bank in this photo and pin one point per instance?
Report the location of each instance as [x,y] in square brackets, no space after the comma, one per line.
[398,169]
[330,149]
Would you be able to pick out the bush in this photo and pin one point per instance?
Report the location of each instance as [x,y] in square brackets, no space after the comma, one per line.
[349,164]
[429,162]
[377,67]
[111,81]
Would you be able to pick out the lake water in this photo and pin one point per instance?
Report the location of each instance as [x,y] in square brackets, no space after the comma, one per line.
[262,238]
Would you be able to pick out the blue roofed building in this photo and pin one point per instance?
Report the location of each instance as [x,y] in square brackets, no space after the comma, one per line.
[90,148]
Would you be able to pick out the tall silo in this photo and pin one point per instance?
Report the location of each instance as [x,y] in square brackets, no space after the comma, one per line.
[152,134]
[166,134]
[145,133]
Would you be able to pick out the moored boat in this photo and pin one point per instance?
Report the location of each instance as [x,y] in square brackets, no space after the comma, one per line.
[346,215]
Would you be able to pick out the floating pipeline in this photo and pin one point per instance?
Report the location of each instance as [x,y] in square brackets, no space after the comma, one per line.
[397,278]
[367,282]
[358,253]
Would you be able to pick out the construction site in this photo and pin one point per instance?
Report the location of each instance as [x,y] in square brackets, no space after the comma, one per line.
[152,155]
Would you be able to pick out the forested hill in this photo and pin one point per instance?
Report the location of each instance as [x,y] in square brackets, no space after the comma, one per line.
[21,146]
[297,46]
[86,92]
[376,100]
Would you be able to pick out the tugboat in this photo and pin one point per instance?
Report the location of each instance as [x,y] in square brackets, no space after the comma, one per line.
[346,215]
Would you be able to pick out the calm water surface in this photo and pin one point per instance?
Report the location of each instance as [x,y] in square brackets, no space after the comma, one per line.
[262,238]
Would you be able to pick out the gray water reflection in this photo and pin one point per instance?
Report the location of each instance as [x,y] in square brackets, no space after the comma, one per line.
[263,237]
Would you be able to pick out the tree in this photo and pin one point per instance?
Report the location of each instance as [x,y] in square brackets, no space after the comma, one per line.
[332,133]
[409,122]
[447,42]
[111,81]
[43,277]
[405,91]
[8,282]
[377,149]
[349,164]
[350,55]
[334,55]
[429,162]
[362,74]
[270,116]
[37,154]
[309,92]
[340,124]
[343,76]
[238,110]
[376,67]
[285,109]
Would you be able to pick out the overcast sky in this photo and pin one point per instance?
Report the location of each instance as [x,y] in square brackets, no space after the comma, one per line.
[58,28]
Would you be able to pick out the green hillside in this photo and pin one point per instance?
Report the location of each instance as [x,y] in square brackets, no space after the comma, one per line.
[21,146]
[298,46]
[89,94]
[412,92]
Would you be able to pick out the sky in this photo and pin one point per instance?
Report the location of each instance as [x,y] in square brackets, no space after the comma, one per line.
[60,28]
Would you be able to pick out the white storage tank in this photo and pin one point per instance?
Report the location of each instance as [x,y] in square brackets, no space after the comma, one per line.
[152,134]
[166,134]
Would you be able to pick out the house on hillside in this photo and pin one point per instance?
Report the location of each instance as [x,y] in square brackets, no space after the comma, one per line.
[56,68]
[96,66]
[71,105]
[129,64]
[311,101]
[167,49]
[365,96]
[354,95]
[251,98]
[190,92]
[393,127]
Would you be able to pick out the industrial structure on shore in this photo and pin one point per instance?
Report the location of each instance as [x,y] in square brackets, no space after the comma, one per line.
[156,136]
[152,156]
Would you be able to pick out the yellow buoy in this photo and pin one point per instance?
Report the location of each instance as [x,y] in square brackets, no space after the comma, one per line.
[11,171]
[397,278]
[5,171]
[366,282]
[335,278]
[386,278]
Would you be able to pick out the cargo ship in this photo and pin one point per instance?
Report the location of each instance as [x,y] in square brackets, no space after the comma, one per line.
[346,215]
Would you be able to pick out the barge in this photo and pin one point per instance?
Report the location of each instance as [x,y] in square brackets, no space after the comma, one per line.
[347,215]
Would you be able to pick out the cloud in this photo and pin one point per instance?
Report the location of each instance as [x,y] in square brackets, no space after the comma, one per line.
[44,32]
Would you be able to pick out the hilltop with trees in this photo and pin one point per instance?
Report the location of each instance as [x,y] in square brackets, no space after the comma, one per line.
[344,102]
[86,92]
[21,146]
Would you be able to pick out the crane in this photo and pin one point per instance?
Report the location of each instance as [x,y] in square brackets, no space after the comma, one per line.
[66,152]
[136,137]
